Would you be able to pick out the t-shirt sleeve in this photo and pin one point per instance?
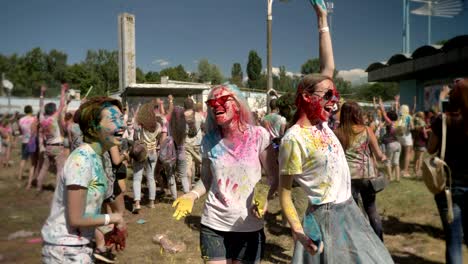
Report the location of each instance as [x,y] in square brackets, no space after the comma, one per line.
[77,169]
[290,157]
[283,120]
[263,139]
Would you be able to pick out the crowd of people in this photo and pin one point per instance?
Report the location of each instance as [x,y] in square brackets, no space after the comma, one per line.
[332,149]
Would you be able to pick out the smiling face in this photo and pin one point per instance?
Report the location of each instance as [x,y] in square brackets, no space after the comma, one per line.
[111,127]
[319,104]
[224,106]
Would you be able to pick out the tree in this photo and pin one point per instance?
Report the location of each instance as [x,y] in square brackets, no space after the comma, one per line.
[344,87]
[311,66]
[103,67]
[285,82]
[216,75]
[177,73]
[153,77]
[209,72]
[254,70]
[236,74]
[57,64]
[140,76]
[79,77]
[204,71]
[367,91]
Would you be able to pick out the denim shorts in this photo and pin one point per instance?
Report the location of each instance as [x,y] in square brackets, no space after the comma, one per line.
[25,154]
[248,247]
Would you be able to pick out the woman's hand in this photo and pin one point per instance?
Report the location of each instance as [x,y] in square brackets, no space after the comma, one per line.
[320,7]
[183,205]
[117,219]
[307,242]
[259,209]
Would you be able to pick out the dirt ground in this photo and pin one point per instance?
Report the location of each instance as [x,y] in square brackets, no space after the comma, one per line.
[412,227]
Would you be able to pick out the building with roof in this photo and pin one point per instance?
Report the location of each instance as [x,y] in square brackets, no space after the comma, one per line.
[424,72]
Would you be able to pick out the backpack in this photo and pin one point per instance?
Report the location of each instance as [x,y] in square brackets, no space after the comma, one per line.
[138,150]
[167,152]
[192,128]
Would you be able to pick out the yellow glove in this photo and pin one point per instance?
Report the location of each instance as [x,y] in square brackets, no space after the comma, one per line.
[183,207]
[260,198]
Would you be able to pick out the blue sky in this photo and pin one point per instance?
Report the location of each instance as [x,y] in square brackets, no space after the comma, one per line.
[185,31]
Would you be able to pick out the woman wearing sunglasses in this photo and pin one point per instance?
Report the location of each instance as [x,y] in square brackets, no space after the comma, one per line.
[333,229]
[234,151]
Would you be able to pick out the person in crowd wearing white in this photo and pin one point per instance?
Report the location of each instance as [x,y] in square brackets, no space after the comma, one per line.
[81,188]
[333,230]
[234,151]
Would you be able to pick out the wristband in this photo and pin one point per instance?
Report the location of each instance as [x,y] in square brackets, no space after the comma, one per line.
[106,219]
[196,193]
[324,29]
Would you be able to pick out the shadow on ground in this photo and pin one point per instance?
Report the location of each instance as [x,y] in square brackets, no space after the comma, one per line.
[393,226]
[275,254]
[408,258]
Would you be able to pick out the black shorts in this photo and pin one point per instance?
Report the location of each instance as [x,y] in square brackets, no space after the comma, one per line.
[117,190]
[248,247]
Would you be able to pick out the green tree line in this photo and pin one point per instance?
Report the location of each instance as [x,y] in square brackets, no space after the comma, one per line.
[99,70]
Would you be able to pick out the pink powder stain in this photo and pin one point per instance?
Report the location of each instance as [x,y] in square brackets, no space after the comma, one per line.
[234,187]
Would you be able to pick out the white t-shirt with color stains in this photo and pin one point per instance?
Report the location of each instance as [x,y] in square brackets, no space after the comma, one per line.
[83,168]
[235,174]
[316,158]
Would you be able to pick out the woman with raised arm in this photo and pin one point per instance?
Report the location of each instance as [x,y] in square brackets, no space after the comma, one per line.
[392,146]
[234,151]
[81,189]
[333,230]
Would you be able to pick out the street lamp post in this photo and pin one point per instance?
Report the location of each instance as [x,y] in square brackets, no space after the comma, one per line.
[269,53]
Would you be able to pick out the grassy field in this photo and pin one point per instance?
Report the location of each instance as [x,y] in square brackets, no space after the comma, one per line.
[412,227]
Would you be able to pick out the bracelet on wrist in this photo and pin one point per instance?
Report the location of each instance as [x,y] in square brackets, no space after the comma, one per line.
[196,193]
[324,29]
[106,219]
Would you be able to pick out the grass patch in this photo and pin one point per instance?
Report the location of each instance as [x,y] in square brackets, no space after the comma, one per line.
[412,228]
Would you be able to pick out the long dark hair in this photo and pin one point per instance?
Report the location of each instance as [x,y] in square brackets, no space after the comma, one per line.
[178,125]
[459,100]
[351,114]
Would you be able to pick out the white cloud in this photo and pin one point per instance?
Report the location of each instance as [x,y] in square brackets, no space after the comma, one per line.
[355,76]
[161,62]
[276,71]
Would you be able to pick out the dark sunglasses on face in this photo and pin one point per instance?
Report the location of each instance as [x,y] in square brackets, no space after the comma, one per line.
[327,96]
[220,100]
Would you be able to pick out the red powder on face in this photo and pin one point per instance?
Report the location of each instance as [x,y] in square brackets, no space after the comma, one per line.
[313,109]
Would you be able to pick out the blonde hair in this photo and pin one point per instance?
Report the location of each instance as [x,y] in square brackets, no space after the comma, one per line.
[245,116]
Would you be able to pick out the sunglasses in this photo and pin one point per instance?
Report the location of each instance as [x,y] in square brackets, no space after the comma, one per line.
[327,96]
[218,101]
